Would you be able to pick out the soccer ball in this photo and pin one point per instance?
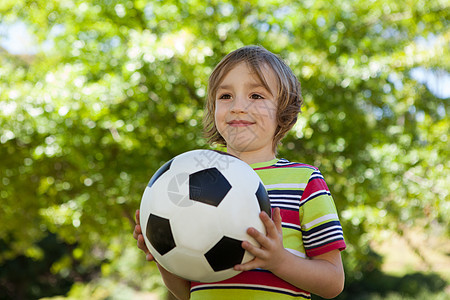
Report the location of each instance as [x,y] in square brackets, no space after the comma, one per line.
[195,212]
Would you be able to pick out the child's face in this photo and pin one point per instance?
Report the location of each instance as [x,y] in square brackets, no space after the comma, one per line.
[245,112]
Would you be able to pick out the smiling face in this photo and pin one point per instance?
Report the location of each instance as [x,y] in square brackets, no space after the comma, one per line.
[245,113]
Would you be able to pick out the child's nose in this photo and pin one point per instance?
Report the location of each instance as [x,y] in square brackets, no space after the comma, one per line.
[239,105]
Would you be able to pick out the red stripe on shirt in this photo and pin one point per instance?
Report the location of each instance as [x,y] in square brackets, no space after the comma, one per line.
[326,248]
[290,216]
[313,186]
[263,278]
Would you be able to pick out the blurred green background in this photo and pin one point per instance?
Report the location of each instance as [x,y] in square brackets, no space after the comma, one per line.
[95,95]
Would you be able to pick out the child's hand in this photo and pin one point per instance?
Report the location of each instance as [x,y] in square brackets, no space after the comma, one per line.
[137,234]
[270,255]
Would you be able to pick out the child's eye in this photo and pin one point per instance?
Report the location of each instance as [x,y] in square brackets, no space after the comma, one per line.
[256,96]
[225,96]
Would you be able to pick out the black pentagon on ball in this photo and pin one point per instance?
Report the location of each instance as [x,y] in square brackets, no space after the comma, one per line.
[225,254]
[263,199]
[160,171]
[208,186]
[159,234]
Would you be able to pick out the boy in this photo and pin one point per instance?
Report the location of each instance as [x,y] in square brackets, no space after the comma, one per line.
[253,101]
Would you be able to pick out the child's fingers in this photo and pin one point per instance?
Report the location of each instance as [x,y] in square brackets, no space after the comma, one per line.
[277,219]
[141,244]
[138,221]
[258,262]
[254,250]
[137,235]
[251,265]
[262,239]
[137,231]
[254,263]
[258,236]
[271,229]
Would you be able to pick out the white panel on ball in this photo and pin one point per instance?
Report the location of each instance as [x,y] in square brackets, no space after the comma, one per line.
[191,221]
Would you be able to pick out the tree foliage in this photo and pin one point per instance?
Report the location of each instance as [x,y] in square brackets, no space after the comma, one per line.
[116,88]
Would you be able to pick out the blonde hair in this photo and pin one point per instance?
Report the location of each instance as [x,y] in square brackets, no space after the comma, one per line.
[289,98]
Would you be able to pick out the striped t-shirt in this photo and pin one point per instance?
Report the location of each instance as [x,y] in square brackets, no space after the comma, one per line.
[310,227]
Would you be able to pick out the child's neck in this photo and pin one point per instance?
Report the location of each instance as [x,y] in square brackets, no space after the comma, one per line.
[253,157]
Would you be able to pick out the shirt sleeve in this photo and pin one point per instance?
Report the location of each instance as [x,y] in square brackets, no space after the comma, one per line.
[320,226]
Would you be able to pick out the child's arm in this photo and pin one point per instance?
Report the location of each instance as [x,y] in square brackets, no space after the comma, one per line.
[178,286]
[322,275]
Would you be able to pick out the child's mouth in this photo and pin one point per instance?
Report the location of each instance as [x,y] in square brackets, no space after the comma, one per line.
[239,123]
